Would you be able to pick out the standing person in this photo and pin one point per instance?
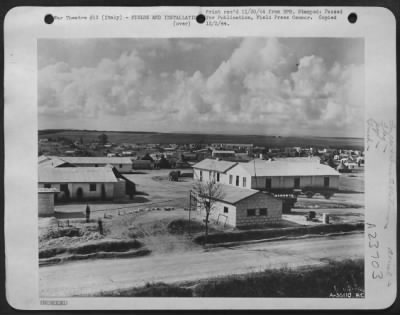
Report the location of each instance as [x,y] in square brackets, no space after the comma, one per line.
[87,213]
[100,224]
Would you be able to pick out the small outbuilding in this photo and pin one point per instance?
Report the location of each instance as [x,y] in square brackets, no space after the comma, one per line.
[46,198]
[241,207]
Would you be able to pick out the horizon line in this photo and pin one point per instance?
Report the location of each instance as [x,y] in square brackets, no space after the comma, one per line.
[198,133]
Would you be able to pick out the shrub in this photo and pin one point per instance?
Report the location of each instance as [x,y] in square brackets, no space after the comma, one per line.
[105,246]
[238,236]
[181,226]
[92,248]
[61,232]
[159,289]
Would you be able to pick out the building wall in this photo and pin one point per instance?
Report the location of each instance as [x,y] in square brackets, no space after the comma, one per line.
[208,175]
[94,195]
[205,177]
[119,189]
[279,182]
[237,214]
[257,201]
[238,171]
[218,214]
[196,174]
[46,204]
[223,178]
[123,168]
[87,194]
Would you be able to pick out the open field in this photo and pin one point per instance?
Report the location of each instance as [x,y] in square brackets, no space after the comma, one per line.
[184,138]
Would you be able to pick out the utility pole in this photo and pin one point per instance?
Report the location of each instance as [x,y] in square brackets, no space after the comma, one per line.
[190,207]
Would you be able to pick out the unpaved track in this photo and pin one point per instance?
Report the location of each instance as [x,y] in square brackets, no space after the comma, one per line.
[91,276]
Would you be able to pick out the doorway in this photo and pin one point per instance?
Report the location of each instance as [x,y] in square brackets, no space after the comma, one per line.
[268,183]
[65,190]
[79,193]
[297,182]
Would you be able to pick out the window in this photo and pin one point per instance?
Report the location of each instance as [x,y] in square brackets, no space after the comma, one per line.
[201,176]
[217,177]
[92,187]
[64,187]
[268,183]
[96,165]
[297,182]
[251,212]
[230,179]
[120,166]
[209,175]
[326,181]
[47,185]
[226,209]
[263,211]
[244,181]
[237,180]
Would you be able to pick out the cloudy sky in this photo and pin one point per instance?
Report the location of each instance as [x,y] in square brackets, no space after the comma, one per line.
[273,86]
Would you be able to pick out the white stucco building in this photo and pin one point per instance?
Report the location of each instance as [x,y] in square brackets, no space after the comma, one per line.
[82,183]
[283,176]
[209,168]
[278,177]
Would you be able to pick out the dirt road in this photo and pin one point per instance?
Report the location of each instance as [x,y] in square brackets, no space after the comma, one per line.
[92,276]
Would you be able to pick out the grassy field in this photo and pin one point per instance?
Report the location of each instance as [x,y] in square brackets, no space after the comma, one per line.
[330,280]
[185,138]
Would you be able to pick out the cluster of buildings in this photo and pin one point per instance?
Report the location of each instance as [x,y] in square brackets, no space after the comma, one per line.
[258,191]
[64,179]
[259,183]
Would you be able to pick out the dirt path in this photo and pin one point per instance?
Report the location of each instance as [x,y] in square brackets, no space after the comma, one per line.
[91,276]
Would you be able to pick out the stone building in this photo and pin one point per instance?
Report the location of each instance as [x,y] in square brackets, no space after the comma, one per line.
[244,207]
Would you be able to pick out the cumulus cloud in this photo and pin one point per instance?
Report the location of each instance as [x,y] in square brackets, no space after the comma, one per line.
[261,87]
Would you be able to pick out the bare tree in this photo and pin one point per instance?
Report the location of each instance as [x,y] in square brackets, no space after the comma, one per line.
[208,194]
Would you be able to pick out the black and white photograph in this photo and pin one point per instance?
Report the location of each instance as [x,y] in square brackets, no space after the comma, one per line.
[163,164]
[212,167]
